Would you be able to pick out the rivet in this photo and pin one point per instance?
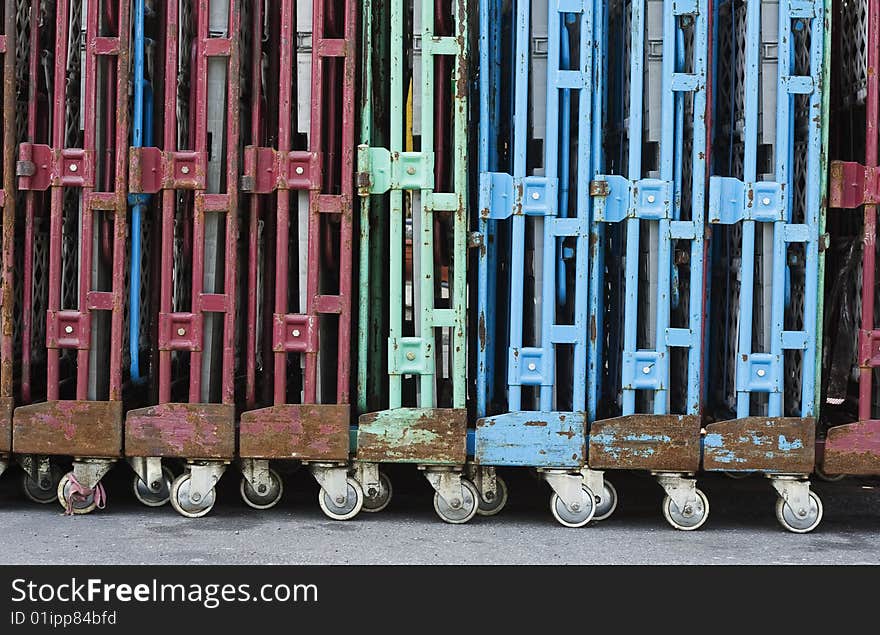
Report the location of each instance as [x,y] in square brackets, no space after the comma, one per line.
[766,200]
[185,169]
[74,167]
[536,195]
[296,332]
[651,198]
[410,356]
[181,331]
[532,366]
[68,329]
[646,370]
[761,372]
[299,170]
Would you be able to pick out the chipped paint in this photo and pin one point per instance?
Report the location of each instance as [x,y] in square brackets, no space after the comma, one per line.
[768,444]
[646,442]
[536,439]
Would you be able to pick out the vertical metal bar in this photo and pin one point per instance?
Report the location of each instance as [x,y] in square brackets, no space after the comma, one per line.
[169,143]
[8,200]
[595,349]
[518,223]
[255,209]
[282,229]
[364,272]
[630,325]
[750,140]
[487,129]
[396,218]
[814,214]
[869,235]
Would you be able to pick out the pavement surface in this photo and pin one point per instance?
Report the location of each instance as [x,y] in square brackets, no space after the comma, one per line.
[742,528]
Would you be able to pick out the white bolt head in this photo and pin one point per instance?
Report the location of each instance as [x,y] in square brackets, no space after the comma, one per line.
[299,170]
[651,198]
[185,169]
[761,372]
[646,370]
[766,200]
[296,332]
[536,195]
[181,331]
[74,167]
[532,366]
[68,329]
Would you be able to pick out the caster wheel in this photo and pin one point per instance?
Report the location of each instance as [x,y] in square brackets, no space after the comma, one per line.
[607,501]
[353,503]
[574,517]
[44,491]
[490,508]
[465,511]
[185,506]
[264,500]
[687,519]
[737,476]
[75,503]
[147,496]
[379,500]
[829,478]
[806,523]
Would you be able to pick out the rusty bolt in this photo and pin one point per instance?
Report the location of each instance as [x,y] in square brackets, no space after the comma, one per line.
[410,356]
[599,188]
[68,329]
[411,170]
[181,331]
[185,169]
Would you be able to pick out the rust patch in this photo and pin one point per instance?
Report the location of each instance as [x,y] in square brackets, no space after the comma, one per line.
[646,442]
[191,431]
[853,448]
[434,436]
[308,432]
[538,424]
[69,428]
[5,425]
[785,445]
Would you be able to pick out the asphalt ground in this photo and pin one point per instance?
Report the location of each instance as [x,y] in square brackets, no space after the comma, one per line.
[741,529]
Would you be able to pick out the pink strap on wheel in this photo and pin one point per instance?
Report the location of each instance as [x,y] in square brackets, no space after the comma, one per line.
[80,494]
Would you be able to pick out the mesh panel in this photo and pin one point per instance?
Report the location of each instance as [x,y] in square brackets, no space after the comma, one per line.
[853,68]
